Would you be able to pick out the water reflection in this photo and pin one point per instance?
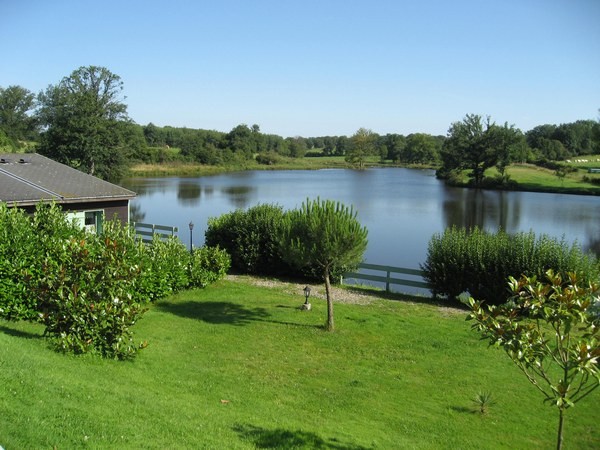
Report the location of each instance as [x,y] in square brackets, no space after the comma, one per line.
[490,210]
[135,213]
[401,208]
[239,195]
[188,193]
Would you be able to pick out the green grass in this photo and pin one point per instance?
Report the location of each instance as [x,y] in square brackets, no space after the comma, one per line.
[539,179]
[240,366]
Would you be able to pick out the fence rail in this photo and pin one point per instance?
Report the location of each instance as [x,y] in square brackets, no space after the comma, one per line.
[148,230]
[388,279]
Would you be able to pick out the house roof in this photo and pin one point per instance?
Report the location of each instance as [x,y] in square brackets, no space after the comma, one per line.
[27,179]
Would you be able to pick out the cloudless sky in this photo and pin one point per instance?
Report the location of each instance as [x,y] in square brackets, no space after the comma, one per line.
[318,67]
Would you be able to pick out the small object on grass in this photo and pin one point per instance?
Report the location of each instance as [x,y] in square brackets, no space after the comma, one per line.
[224,402]
[483,400]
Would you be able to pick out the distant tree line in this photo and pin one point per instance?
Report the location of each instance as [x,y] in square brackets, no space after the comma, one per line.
[82,121]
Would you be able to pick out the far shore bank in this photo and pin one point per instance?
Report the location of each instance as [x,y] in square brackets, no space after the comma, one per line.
[524,177]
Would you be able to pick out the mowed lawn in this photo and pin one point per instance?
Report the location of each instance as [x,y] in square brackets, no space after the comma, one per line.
[238,365]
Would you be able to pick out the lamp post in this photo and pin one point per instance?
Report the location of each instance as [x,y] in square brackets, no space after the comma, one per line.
[306,306]
[191,234]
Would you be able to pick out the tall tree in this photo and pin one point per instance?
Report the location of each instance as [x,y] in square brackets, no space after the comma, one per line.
[16,118]
[477,144]
[362,145]
[296,146]
[395,145]
[85,120]
[508,143]
[323,234]
[421,148]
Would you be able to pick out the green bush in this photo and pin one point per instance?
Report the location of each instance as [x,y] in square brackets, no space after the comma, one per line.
[88,290]
[165,266]
[87,295]
[251,238]
[480,262]
[18,253]
[24,241]
[208,264]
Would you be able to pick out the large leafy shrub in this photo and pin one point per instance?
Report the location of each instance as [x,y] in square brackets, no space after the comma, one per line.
[250,237]
[164,268]
[88,290]
[479,262]
[24,242]
[87,296]
[208,264]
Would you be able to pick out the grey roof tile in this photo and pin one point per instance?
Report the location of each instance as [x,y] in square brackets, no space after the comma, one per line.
[31,177]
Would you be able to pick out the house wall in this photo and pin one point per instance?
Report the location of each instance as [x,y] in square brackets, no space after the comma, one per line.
[112,209]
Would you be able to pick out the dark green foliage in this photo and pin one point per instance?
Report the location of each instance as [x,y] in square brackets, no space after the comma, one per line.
[268,159]
[208,264]
[87,295]
[480,262]
[164,268]
[23,242]
[477,144]
[250,237]
[86,123]
[88,290]
[326,236]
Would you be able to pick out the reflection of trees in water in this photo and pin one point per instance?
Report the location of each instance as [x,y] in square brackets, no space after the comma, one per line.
[239,195]
[135,213]
[144,187]
[478,208]
[189,193]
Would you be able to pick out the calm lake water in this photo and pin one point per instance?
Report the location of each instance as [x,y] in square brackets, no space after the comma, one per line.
[402,208]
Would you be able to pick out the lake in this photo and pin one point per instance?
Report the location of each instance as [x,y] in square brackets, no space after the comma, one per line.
[401,208]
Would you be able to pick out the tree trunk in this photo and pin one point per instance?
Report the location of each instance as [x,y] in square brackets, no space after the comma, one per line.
[561,419]
[329,324]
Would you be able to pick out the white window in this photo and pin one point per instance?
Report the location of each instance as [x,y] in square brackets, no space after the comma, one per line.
[90,220]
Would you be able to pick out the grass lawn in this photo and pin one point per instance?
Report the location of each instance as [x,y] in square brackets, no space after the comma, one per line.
[536,178]
[238,365]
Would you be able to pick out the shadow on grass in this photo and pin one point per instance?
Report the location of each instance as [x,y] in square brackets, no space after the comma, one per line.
[464,410]
[284,439]
[216,312]
[20,333]
[397,296]
[226,313]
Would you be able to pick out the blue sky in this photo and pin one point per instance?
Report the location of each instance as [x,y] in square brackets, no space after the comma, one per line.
[315,68]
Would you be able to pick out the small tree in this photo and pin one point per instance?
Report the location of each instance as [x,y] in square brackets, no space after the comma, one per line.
[325,234]
[362,146]
[550,331]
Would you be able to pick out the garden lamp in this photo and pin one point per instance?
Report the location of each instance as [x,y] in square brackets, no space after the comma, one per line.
[191,234]
[306,294]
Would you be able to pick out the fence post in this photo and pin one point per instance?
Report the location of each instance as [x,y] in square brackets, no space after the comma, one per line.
[387,283]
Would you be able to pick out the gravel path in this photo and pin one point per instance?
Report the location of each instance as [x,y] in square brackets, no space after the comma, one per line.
[339,295]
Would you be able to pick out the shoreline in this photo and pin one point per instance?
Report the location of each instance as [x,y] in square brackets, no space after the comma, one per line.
[542,180]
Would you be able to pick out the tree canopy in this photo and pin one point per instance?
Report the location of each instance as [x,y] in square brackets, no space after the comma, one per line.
[477,144]
[323,234]
[86,122]
[16,120]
